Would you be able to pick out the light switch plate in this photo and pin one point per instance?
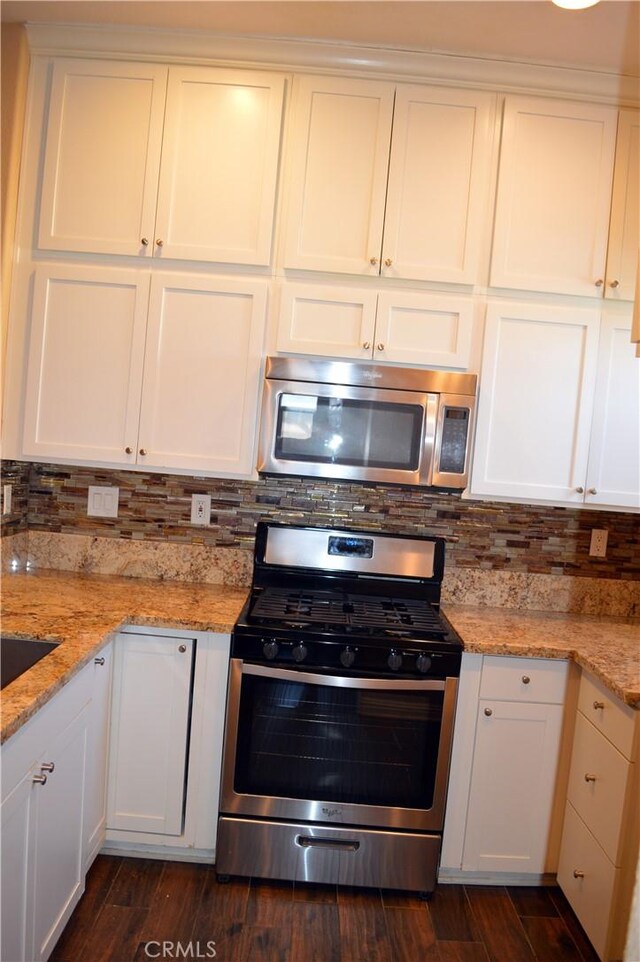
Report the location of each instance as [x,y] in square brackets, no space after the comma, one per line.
[103,501]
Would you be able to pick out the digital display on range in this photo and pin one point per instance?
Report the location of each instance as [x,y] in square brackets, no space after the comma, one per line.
[351,547]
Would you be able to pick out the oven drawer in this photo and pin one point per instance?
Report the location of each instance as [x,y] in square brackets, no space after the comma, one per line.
[332,855]
[507,678]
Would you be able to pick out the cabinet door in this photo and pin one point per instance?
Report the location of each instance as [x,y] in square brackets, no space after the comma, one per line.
[512,786]
[17,856]
[219,165]
[624,231]
[536,401]
[439,184]
[102,156]
[554,194]
[149,733]
[95,803]
[202,373]
[85,363]
[327,321]
[424,329]
[338,175]
[613,476]
[58,867]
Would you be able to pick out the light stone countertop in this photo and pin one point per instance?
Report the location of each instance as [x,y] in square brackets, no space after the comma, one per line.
[85,611]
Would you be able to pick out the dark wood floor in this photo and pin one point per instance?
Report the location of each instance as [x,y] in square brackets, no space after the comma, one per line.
[133,903]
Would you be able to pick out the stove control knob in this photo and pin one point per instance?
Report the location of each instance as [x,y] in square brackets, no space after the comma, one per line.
[300,652]
[394,660]
[347,657]
[270,649]
[423,663]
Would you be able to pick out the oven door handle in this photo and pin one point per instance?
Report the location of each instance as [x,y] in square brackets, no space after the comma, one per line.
[340,681]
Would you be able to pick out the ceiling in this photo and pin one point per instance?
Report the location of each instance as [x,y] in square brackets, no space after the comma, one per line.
[605,37]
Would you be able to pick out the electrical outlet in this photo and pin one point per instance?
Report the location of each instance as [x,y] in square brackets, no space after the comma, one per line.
[200,508]
[598,546]
[7,494]
[102,501]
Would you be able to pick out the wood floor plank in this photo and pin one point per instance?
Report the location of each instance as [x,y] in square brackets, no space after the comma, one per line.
[315,933]
[532,901]
[136,882]
[411,935]
[270,904]
[498,924]
[550,940]
[228,938]
[393,899]
[451,915]
[115,937]
[587,952]
[265,944]
[363,927]
[309,892]
[99,880]
[175,904]
[223,902]
[462,952]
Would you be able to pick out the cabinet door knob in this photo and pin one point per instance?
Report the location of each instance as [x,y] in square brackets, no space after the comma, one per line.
[592,491]
[577,873]
[143,451]
[39,779]
[599,282]
[366,345]
[144,241]
[614,284]
[160,243]
[525,679]
[388,262]
[580,490]
[373,261]
[380,347]
[128,450]
[48,767]
[488,712]
[589,778]
[598,704]
[182,648]
[98,661]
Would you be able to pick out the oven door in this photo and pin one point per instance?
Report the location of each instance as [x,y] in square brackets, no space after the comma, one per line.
[337,750]
[337,431]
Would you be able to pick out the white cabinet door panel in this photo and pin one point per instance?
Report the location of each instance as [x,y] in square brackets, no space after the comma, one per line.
[439,177]
[149,732]
[17,857]
[510,802]
[554,193]
[340,153]
[102,156]
[202,367]
[95,808]
[219,165]
[326,321]
[624,229]
[536,400]
[85,363]
[429,329]
[613,476]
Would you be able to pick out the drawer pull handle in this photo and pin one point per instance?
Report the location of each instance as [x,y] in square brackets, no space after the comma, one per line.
[339,844]
[47,767]
[40,779]
[488,712]
[525,679]
[589,778]
[598,704]
[98,661]
[577,873]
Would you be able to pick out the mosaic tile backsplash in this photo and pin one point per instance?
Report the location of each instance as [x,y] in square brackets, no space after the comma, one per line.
[483,535]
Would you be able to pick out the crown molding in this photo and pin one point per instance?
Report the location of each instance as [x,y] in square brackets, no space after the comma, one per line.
[321,57]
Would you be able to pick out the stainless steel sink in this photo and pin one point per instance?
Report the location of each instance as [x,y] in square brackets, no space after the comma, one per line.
[19,654]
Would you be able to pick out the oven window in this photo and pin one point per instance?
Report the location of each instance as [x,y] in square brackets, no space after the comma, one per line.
[330,430]
[345,745]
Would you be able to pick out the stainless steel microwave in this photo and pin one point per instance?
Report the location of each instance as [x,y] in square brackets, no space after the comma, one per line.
[365,422]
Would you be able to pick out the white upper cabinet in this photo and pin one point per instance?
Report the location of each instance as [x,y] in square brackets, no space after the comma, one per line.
[215,188]
[436,165]
[554,195]
[536,400]
[624,232]
[327,321]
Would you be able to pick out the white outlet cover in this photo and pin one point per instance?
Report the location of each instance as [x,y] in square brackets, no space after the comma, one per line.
[201,509]
[103,501]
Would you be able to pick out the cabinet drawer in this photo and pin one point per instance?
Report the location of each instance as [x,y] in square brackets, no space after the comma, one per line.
[591,895]
[599,800]
[607,713]
[524,679]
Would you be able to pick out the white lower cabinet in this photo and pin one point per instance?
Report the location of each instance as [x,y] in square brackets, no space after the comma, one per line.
[505,763]
[599,849]
[44,768]
[95,807]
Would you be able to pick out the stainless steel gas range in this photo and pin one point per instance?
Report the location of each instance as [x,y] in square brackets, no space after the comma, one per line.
[340,709]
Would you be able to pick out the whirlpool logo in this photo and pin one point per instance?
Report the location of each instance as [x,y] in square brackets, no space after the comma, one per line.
[372,375]
[331,812]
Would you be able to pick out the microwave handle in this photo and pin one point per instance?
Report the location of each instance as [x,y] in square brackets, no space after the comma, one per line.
[340,681]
